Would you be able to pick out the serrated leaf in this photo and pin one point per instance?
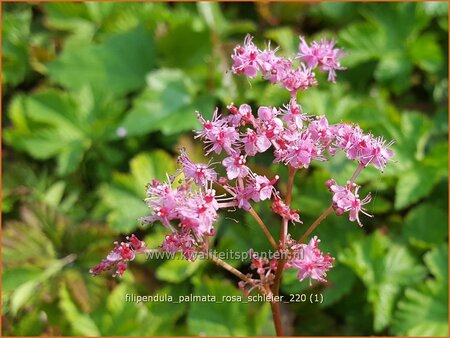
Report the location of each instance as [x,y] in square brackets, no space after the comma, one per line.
[414,185]
[147,166]
[340,281]
[437,262]
[363,43]
[423,311]
[426,226]
[49,125]
[385,268]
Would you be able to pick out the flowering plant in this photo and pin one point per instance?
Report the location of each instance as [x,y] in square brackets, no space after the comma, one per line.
[188,204]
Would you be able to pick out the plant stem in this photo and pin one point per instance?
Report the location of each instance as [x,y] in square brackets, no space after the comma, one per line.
[356,173]
[229,268]
[316,223]
[276,315]
[263,226]
[284,223]
[258,220]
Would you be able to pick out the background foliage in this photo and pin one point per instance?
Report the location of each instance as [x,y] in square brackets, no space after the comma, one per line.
[97,97]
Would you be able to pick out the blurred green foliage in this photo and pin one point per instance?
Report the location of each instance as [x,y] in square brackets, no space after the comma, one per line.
[97,98]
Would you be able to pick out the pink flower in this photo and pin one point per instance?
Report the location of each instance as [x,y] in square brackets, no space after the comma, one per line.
[119,256]
[242,195]
[322,54]
[301,150]
[320,130]
[163,200]
[263,187]
[217,135]
[268,122]
[311,262]
[255,143]
[375,152]
[235,166]
[267,61]
[346,199]
[243,115]
[364,148]
[280,208]
[181,241]
[199,213]
[293,115]
[299,79]
[279,70]
[245,59]
[200,172]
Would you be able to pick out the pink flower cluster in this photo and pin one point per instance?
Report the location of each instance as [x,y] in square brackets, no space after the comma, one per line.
[295,137]
[250,60]
[310,261]
[346,199]
[189,211]
[322,54]
[189,207]
[120,256]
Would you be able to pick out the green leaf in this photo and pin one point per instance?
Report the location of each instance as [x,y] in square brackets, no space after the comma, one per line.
[125,208]
[124,198]
[384,268]
[55,193]
[177,269]
[219,317]
[213,16]
[49,125]
[437,262]
[419,181]
[186,44]
[413,185]
[119,64]
[164,314]
[81,323]
[394,71]
[124,317]
[22,295]
[12,277]
[15,35]
[168,104]
[340,281]
[426,53]
[362,42]
[423,311]
[426,226]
